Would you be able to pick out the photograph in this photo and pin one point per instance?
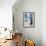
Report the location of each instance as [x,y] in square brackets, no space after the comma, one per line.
[29,19]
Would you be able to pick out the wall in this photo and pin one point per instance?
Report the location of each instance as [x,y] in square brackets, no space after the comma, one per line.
[28,6]
[6,13]
[43,22]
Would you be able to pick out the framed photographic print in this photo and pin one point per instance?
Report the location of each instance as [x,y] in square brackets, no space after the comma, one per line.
[29,19]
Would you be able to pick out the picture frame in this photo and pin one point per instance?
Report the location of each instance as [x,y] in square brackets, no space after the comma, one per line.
[29,19]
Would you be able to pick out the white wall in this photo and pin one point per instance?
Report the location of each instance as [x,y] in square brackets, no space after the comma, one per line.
[43,22]
[28,6]
[6,13]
